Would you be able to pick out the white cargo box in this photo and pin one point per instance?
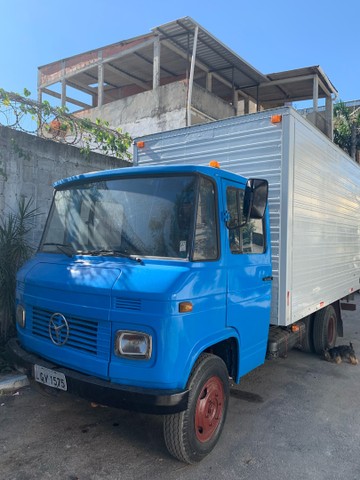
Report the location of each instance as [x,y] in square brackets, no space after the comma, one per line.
[314,199]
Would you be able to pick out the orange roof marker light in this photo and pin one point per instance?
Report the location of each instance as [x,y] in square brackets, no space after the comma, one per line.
[276,118]
[140,144]
[214,163]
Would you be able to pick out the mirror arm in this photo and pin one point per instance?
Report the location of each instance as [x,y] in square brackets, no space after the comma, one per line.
[241,225]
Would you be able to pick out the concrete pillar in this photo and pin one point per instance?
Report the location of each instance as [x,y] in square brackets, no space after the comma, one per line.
[329,117]
[191,79]
[63,86]
[100,81]
[235,101]
[63,92]
[246,106]
[315,93]
[156,64]
[209,78]
[39,90]
[100,85]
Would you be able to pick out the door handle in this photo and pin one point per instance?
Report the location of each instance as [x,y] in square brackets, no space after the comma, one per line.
[267,279]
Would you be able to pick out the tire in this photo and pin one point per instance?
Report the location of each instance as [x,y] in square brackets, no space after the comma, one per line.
[325,329]
[192,434]
[307,344]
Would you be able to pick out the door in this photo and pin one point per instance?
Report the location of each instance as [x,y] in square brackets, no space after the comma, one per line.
[248,258]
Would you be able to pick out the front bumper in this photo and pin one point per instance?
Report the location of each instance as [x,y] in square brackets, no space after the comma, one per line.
[139,399]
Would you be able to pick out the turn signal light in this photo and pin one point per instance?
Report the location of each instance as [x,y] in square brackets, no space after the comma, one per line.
[140,144]
[185,307]
[276,118]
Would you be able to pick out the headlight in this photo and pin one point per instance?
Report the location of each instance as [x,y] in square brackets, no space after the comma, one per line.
[133,344]
[20,316]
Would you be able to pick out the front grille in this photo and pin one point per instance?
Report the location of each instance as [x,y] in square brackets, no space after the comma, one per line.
[83,333]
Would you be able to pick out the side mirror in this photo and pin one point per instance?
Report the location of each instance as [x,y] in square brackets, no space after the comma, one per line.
[255,200]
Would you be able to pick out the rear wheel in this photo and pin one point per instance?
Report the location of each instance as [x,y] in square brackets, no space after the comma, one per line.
[307,344]
[192,434]
[325,329]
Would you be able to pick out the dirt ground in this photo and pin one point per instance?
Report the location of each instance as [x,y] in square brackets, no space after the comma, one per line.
[294,418]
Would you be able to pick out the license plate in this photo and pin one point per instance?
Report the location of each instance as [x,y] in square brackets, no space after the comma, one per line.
[49,377]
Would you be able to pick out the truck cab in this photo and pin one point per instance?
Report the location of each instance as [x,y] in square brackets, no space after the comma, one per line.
[151,287]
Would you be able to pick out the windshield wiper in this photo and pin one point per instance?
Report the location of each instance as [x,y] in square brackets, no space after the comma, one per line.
[108,252]
[63,247]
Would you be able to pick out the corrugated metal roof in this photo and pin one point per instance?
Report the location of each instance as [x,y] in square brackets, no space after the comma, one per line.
[212,53]
[294,85]
[128,65]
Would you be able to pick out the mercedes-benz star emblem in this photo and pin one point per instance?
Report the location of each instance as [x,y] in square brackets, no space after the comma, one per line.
[58,329]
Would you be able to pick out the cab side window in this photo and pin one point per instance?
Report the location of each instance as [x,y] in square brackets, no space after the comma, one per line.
[248,238]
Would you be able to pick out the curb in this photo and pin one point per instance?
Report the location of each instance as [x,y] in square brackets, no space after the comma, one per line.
[10,383]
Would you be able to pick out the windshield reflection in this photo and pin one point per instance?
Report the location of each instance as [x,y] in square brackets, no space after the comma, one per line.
[142,216]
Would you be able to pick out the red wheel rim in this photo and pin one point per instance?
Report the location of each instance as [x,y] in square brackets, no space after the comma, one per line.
[209,409]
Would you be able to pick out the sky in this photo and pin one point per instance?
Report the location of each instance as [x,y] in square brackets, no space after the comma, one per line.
[271,35]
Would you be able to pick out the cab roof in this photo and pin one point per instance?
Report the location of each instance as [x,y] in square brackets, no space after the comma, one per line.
[146,170]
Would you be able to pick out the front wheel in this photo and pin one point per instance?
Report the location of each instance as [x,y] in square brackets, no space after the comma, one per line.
[192,434]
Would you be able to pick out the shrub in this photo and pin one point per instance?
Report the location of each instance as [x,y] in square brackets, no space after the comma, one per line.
[15,249]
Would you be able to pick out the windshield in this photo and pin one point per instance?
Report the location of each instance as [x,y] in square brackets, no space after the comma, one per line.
[141,216]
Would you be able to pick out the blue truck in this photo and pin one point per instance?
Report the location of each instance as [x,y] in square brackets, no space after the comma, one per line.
[155,285]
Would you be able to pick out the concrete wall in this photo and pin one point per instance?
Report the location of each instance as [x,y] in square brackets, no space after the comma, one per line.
[210,104]
[319,120]
[29,165]
[159,110]
[145,113]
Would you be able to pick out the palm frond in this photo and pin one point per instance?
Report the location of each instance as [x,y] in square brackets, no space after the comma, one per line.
[15,249]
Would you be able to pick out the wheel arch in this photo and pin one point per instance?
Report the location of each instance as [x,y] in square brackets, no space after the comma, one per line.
[226,348]
[340,325]
[228,351]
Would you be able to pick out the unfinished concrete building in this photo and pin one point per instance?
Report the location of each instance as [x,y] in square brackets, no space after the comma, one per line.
[176,76]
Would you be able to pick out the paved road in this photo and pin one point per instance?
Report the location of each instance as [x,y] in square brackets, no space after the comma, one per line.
[295,418]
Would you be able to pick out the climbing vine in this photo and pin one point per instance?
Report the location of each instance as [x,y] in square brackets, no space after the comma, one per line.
[56,123]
